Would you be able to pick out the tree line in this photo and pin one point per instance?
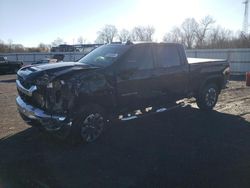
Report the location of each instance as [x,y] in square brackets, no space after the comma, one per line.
[11,47]
[191,33]
[109,33]
[206,34]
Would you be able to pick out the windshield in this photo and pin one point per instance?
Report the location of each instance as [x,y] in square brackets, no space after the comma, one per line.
[104,55]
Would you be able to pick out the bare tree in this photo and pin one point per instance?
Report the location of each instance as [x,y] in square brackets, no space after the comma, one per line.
[175,35]
[189,27]
[124,35]
[57,42]
[100,39]
[19,48]
[107,34]
[43,47]
[2,46]
[11,47]
[190,33]
[220,38]
[138,34]
[142,33]
[243,40]
[202,30]
[81,40]
[150,30]
[10,41]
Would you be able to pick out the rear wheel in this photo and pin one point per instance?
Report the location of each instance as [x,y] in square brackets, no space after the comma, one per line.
[208,97]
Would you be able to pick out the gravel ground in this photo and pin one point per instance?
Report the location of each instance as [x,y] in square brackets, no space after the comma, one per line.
[182,148]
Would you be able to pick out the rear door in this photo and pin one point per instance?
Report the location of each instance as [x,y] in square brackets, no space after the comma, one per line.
[171,73]
[134,76]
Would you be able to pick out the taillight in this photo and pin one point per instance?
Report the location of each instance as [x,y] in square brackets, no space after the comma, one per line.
[226,72]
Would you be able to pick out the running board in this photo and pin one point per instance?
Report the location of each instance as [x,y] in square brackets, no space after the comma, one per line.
[129,118]
[149,111]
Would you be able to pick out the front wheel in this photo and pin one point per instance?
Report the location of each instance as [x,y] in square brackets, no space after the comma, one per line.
[208,97]
[89,125]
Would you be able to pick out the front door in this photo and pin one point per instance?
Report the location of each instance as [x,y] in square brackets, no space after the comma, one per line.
[134,74]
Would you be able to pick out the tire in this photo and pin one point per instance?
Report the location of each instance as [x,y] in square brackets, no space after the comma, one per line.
[208,97]
[89,124]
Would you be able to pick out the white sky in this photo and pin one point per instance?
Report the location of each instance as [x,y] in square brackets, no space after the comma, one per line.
[30,22]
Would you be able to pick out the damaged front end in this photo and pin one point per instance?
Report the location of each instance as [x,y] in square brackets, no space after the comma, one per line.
[46,100]
[34,116]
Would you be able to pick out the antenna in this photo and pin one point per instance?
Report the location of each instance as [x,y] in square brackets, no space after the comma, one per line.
[245,22]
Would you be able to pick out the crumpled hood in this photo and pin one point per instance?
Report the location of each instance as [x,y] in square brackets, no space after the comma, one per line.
[52,70]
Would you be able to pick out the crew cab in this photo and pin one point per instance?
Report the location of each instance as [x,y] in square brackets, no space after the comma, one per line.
[7,66]
[77,99]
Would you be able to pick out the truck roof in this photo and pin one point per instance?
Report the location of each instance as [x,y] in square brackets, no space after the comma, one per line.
[145,43]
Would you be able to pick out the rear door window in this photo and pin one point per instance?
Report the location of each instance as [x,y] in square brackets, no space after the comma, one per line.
[167,56]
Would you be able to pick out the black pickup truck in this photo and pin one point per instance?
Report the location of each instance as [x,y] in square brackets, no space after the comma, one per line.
[76,99]
[7,66]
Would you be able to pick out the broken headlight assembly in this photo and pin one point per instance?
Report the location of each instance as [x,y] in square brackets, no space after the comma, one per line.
[55,84]
[39,99]
[58,96]
[43,80]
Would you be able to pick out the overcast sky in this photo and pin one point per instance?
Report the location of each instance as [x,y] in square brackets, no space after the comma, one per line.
[30,22]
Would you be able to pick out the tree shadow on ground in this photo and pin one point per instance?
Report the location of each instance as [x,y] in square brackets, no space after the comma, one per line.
[181,148]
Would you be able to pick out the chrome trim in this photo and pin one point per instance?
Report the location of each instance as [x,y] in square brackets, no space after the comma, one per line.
[36,113]
[129,118]
[129,94]
[24,90]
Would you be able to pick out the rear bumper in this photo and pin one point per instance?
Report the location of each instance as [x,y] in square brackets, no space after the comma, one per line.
[50,122]
[226,74]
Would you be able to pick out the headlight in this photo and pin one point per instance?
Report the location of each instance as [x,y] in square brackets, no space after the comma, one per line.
[56,84]
[43,80]
[39,99]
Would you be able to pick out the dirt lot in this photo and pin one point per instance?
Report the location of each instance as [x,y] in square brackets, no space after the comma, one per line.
[182,148]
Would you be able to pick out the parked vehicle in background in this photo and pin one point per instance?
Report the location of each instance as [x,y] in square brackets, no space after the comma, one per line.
[76,99]
[86,48]
[44,61]
[56,58]
[9,66]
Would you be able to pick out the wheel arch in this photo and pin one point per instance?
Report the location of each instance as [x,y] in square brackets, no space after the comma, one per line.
[217,80]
